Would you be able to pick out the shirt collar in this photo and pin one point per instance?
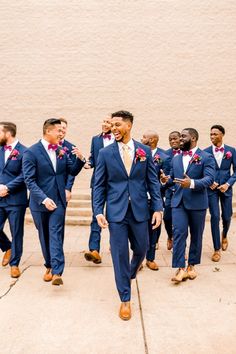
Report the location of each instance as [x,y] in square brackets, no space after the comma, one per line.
[219,147]
[45,143]
[193,151]
[154,151]
[13,145]
[130,144]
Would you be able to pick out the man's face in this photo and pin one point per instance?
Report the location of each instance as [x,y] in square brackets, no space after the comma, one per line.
[174,140]
[3,136]
[63,130]
[106,125]
[216,136]
[185,140]
[54,134]
[120,128]
[145,140]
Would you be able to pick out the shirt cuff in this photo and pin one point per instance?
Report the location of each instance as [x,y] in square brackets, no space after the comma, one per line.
[192,184]
[44,201]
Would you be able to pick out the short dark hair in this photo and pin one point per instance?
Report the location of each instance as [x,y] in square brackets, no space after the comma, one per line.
[192,132]
[219,127]
[125,115]
[9,127]
[50,122]
[175,132]
[63,120]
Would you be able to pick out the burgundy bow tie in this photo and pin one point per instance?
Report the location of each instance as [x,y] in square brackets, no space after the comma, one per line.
[107,136]
[188,153]
[176,152]
[60,143]
[52,147]
[7,147]
[219,149]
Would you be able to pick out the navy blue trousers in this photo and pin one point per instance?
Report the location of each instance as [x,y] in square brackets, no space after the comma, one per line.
[184,220]
[121,233]
[154,236]
[5,243]
[50,226]
[167,215]
[16,218]
[215,200]
[95,232]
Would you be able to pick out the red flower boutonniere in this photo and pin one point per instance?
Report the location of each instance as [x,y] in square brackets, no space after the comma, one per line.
[61,152]
[227,155]
[157,159]
[14,154]
[196,159]
[140,155]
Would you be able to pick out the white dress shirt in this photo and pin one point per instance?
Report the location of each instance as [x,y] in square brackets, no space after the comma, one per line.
[186,160]
[51,153]
[107,141]
[218,155]
[131,147]
[154,151]
[8,152]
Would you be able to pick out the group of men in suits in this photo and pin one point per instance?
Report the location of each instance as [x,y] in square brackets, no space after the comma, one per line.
[135,181]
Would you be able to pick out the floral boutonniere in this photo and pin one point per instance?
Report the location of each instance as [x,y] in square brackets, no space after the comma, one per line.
[196,159]
[14,154]
[227,155]
[140,155]
[157,159]
[60,152]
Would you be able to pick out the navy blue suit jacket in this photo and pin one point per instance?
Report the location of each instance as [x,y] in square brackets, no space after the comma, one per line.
[223,173]
[11,175]
[96,145]
[164,163]
[41,179]
[203,175]
[116,188]
[67,146]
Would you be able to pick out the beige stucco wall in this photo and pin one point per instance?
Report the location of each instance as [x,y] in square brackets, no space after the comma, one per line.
[171,63]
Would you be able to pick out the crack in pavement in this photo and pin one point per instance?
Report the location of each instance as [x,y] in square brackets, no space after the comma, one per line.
[13,283]
[142,319]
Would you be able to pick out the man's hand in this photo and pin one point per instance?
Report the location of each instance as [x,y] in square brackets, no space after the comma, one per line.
[87,166]
[102,221]
[3,190]
[223,187]
[156,219]
[214,185]
[183,182]
[164,178]
[75,151]
[49,204]
[68,195]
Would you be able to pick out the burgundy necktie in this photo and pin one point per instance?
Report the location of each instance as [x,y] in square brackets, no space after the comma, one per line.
[176,152]
[186,153]
[219,149]
[7,147]
[52,147]
[107,136]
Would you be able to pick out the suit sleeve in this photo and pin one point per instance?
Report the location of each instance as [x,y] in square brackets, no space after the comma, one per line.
[232,179]
[74,167]
[208,174]
[29,172]
[91,157]
[70,179]
[99,190]
[17,182]
[153,186]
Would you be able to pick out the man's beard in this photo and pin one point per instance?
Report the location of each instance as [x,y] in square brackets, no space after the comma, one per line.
[3,142]
[186,146]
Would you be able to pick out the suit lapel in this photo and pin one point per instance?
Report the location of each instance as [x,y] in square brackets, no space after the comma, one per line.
[15,148]
[2,158]
[116,153]
[45,154]
[198,152]
[134,164]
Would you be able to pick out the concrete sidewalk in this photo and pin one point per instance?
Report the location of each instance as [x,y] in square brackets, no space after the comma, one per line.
[82,315]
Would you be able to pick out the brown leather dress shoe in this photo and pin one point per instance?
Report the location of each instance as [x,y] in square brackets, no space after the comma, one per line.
[216,256]
[125,311]
[152,265]
[93,256]
[6,258]
[169,244]
[192,274]
[180,276]
[224,243]
[57,279]
[48,275]
[15,272]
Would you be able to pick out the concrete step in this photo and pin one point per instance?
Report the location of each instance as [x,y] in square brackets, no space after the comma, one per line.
[78,212]
[79,203]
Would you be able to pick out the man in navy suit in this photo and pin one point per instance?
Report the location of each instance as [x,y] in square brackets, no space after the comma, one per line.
[193,171]
[46,168]
[174,141]
[98,142]
[125,173]
[162,163]
[13,193]
[221,189]
[5,246]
